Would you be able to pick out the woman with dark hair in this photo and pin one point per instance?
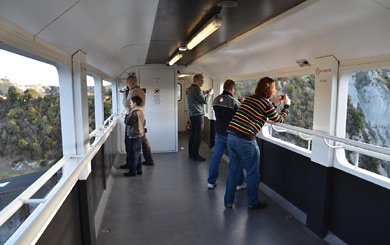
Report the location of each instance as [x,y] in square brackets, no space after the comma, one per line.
[241,141]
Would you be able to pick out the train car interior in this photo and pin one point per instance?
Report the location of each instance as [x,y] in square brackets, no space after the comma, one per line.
[64,67]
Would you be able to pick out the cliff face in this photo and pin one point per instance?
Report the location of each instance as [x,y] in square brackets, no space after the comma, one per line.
[372,97]
[370,94]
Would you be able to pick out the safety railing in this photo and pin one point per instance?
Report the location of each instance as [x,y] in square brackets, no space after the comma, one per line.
[339,145]
[303,136]
[35,224]
[336,142]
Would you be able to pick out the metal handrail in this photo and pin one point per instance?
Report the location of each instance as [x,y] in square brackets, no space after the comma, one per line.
[18,202]
[44,212]
[279,130]
[293,132]
[349,143]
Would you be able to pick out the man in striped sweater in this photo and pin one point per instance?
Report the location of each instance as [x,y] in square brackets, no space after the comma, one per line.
[242,130]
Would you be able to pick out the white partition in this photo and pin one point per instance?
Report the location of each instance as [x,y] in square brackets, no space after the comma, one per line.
[161,107]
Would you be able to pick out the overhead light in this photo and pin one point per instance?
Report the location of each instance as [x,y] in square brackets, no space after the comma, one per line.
[184,75]
[227,4]
[183,48]
[175,59]
[211,26]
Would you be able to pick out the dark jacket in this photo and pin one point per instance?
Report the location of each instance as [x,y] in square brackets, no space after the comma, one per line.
[225,106]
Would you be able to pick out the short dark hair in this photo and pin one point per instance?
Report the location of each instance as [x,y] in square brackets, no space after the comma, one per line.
[264,86]
[198,77]
[137,100]
[229,84]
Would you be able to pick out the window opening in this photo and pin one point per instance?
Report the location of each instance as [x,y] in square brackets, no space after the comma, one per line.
[368,119]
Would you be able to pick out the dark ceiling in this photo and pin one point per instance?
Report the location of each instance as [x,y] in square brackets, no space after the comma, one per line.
[177,20]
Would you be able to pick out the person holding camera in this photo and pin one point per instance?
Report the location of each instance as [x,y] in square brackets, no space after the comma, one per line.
[242,130]
[196,101]
[225,106]
[132,89]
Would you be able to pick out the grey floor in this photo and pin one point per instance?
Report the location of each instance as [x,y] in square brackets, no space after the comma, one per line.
[170,204]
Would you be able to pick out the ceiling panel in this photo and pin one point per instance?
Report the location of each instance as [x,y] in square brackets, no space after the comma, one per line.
[114,34]
[176,21]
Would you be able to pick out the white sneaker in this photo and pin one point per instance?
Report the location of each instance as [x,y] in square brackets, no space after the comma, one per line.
[241,187]
[211,186]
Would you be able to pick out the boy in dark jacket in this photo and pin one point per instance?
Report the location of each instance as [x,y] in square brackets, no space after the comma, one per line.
[135,128]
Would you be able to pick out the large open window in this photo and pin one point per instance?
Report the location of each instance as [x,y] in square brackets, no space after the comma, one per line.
[91,102]
[368,119]
[30,125]
[300,89]
[107,94]
[30,130]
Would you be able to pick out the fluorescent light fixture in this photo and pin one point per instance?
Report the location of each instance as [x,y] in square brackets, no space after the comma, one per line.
[212,25]
[184,75]
[175,59]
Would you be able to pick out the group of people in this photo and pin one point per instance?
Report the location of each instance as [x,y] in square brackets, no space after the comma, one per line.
[236,128]
[135,137]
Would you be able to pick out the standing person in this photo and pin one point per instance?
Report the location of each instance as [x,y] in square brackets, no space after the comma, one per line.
[132,90]
[196,101]
[242,130]
[225,106]
[135,130]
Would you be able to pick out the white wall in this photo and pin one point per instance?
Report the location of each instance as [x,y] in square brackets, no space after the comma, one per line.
[161,107]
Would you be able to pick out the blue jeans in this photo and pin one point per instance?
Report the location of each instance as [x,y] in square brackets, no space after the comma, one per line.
[219,148]
[244,153]
[133,158]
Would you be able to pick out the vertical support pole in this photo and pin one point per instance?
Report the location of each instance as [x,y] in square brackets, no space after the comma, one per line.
[324,120]
[81,108]
[68,120]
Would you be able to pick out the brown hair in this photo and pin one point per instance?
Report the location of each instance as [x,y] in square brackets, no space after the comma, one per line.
[228,85]
[264,87]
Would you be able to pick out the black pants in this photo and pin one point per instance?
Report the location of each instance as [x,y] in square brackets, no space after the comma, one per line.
[195,135]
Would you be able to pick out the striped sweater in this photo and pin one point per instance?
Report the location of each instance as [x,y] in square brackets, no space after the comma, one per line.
[252,115]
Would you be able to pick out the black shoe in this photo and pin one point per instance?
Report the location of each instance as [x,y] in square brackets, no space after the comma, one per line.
[199,159]
[128,174]
[259,205]
[228,205]
[148,163]
[124,166]
[139,172]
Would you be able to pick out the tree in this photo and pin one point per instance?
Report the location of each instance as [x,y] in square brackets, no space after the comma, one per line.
[14,93]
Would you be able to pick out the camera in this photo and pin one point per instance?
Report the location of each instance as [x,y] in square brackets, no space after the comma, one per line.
[124,90]
[282,97]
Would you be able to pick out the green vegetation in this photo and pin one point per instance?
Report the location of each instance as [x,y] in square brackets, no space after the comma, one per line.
[30,127]
[107,107]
